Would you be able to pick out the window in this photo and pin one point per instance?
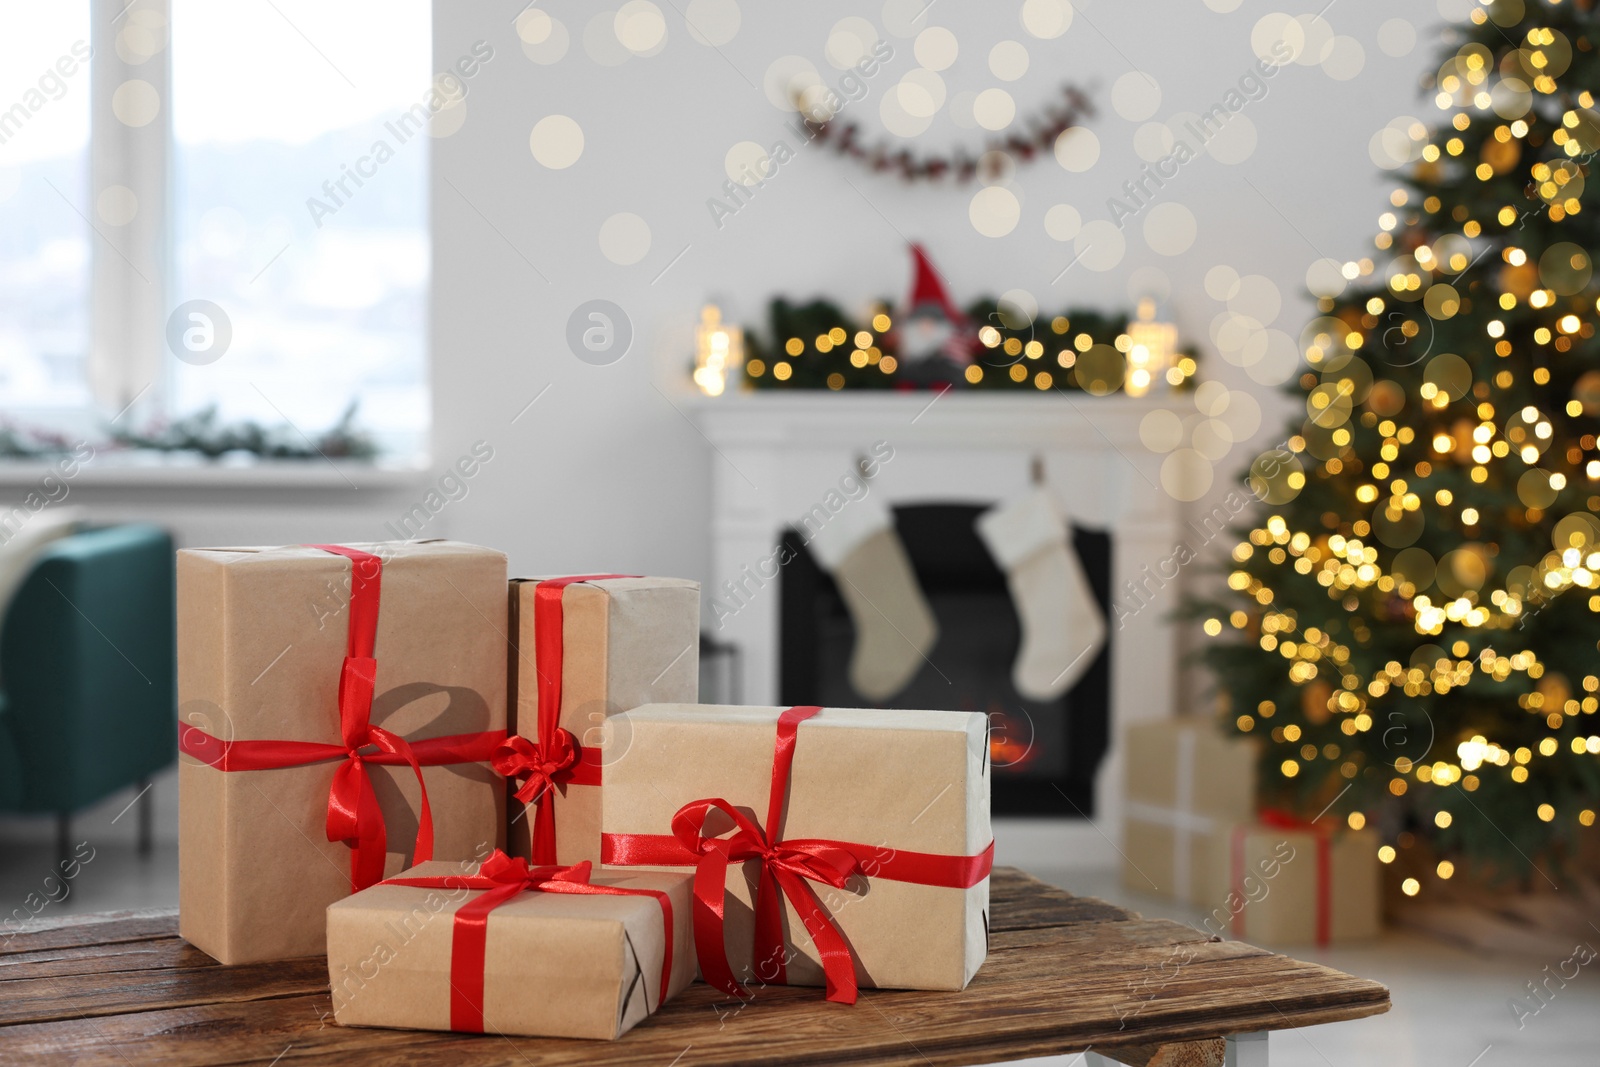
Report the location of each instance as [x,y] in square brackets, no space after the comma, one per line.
[247,255]
[44,239]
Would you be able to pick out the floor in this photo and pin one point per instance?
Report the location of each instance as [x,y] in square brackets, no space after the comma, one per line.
[1451,1006]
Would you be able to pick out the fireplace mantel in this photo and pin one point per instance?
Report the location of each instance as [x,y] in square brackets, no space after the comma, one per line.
[815,417]
[776,455]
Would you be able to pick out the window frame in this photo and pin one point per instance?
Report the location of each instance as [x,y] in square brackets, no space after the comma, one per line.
[132,280]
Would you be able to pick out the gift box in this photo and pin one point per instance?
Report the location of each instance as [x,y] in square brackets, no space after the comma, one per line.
[1186,785]
[586,646]
[338,709]
[1303,883]
[509,949]
[860,844]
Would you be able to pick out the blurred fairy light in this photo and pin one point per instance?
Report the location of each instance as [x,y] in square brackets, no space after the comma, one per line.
[1444,541]
[719,352]
[1151,346]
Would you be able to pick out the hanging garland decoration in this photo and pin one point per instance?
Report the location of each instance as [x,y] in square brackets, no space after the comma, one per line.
[1040,137]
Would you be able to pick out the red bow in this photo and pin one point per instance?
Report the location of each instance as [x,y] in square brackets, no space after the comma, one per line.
[1282,819]
[557,759]
[505,877]
[354,815]
[786,865]
[543,767]
[1279,819]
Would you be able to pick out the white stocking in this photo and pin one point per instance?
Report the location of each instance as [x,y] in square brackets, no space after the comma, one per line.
[895,627]
[1062,624]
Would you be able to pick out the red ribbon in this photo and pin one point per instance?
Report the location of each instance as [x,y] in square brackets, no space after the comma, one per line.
[556,759]
[1278,819]
[354,816]
[787,866]
[504,877]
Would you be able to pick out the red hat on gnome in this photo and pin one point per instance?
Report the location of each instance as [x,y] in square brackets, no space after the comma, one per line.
[931,324]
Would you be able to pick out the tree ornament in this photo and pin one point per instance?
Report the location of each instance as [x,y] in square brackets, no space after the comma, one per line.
[1555,689]
[1449,615]
[1520,280]
[1461,436]
[1501,155]
[1314,699]
[1586,391]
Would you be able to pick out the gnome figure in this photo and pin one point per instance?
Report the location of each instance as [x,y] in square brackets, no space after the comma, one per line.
[935,340]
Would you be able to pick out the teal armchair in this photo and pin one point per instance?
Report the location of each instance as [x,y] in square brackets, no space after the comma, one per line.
[88,693]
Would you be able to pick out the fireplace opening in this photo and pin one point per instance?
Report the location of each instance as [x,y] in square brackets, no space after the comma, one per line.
[1044,754]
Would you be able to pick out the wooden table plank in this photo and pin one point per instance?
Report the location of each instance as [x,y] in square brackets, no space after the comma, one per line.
[155,954]
[113,992]
[1018,901]
[1188,1054]
[100,928]
[1064,974]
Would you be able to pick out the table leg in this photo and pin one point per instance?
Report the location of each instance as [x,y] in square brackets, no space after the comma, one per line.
[1247,1050]
[1204,1053]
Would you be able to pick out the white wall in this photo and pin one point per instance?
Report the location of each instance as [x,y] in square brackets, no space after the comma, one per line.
[602,472]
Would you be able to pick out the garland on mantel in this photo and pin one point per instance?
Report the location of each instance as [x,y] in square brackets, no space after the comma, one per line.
[816,345]
[1039,136]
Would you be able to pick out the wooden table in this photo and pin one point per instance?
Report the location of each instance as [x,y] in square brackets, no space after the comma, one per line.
[1065,974]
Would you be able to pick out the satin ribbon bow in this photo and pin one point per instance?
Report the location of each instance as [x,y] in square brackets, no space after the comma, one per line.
[543,765]
[1281,819]
[556,759]
[354,815]
[787,866]
[504,877]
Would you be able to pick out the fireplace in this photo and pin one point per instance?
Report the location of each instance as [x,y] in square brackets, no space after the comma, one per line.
[772,457]
[1045,755]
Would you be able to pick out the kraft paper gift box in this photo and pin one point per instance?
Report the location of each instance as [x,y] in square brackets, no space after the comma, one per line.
[586,646]
[551,952]
[1295,883]
[291,660]
[865,832]
[1186,785]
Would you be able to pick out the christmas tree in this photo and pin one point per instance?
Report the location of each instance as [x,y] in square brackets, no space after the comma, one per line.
[1413,617]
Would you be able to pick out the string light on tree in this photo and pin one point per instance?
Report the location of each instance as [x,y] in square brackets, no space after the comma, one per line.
[1421,597]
